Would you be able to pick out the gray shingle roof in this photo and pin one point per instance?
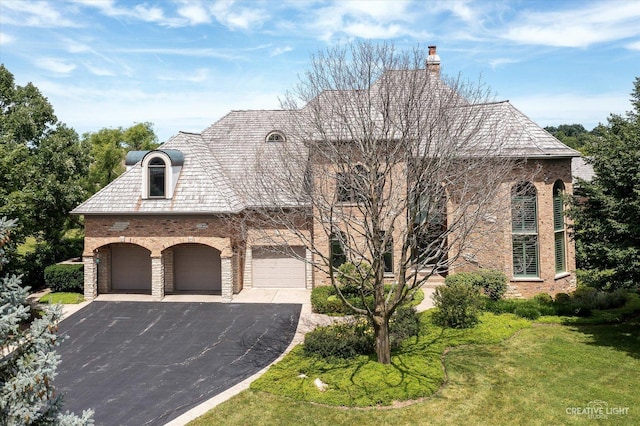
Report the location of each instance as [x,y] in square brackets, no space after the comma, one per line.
[218,174]
[202,187]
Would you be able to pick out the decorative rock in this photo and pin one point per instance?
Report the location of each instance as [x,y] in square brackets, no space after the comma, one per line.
[320,385]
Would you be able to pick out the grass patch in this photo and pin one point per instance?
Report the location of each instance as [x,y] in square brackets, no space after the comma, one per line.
[63,298]
[415,370]
[532,378]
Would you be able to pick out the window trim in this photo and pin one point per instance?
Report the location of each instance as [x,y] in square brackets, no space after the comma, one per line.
[146,175]
[524,230]
[275,136]
[559,229]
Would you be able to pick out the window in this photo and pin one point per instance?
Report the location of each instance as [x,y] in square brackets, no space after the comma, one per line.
[157,172]
[350,186]
[388,256]
[524,230]
[336,250]
[559,227]
[275,137]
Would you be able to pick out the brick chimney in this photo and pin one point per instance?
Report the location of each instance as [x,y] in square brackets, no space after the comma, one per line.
[433,62]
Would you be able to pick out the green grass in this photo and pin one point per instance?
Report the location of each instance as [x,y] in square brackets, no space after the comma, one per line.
[63,298]
[534,377]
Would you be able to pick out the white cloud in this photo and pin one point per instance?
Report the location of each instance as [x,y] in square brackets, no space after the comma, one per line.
[90,109]
[194,52]
[55,65]
[199,75]
[194,12]
[6,39]
[99,71]
[633,46]
[498,62]
[33,14]
[280,50]
[372,31]
[576,27]
[551,109]
[238,17]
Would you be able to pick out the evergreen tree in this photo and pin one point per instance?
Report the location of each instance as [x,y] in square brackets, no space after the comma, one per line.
[606,210]
[28,359]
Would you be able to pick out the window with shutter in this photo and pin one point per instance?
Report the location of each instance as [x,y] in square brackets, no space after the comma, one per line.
[559,227]
[524,230]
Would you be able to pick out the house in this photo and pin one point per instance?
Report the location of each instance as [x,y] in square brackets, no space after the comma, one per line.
[177,220]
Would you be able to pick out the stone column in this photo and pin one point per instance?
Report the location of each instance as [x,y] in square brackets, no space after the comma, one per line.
[90,278]
[157,277]
[248,265]
[308,270]
[167,261]
[227,278]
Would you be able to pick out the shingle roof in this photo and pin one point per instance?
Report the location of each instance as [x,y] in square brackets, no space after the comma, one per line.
[218,174]
[202,187]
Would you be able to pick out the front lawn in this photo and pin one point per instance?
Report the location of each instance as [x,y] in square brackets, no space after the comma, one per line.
[62,297]
[543,374]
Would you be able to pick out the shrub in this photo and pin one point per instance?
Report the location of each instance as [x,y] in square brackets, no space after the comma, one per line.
[404,323]
[543,298]
[527,311]
[355,279]
[64,277]
[342,340]
[493,283]
[562,297]
[458,305]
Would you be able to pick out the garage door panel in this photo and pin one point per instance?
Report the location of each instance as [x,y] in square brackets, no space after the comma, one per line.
[272,268]
[130,268]
[197,268]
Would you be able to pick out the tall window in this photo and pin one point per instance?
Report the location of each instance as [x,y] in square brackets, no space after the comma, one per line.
[524,230]
[388,256]
[558,227]
[350,186]
[336,250]
[157,172]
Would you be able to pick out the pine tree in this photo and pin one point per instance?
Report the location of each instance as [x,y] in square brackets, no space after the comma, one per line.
[28,359]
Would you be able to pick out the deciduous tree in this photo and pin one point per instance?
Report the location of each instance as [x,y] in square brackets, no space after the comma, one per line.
[387,165]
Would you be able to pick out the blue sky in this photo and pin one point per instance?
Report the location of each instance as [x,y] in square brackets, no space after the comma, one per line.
[184,64]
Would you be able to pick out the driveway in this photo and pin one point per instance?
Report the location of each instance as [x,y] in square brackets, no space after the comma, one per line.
[146,363]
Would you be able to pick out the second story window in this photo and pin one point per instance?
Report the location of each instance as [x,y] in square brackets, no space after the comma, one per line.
[157,178]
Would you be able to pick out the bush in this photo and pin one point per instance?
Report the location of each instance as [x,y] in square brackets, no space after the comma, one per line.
[527,311]
[562,297]
[404,323]
[458,305]
[543,298]
[342,340]
[355,279]
[493,283]
[64,277]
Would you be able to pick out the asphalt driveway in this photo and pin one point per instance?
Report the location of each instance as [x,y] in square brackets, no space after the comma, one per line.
[146,363]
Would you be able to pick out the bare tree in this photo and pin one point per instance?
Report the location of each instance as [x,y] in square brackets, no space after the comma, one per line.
[385,165]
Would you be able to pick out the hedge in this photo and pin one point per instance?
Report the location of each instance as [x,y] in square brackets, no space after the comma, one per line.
[65,277]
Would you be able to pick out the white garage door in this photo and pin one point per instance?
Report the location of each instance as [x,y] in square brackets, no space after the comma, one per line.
[130,268]
[275,269]
[197,268]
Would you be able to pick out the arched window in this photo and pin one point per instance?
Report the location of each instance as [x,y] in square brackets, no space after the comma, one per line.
[524,230]
[559,227]
[275,137]
[157,178]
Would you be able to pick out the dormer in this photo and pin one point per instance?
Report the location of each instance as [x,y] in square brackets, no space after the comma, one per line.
[160,171]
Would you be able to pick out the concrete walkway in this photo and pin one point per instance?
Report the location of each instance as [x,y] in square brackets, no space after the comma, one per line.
[308,321]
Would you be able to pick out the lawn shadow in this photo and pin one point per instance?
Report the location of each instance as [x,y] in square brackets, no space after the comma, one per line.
[624,337]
